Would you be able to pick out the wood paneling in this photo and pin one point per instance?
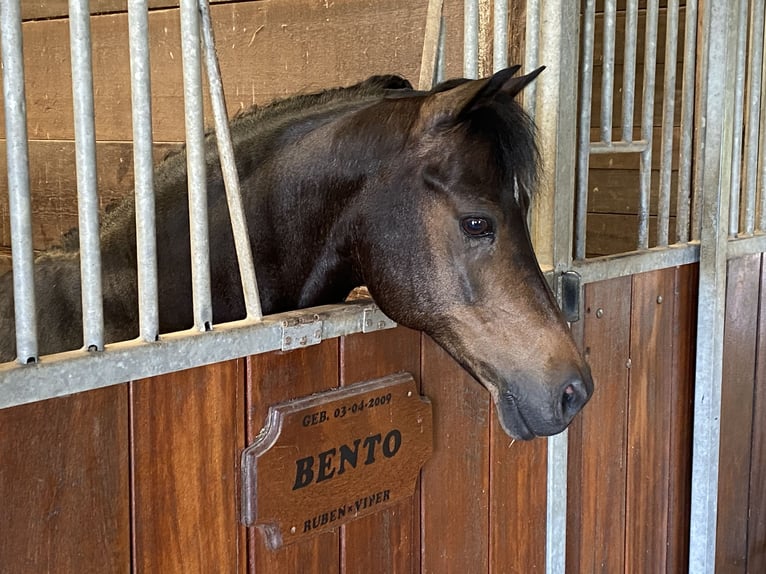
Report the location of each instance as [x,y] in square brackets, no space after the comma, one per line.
[455,481]
[187,434]
[740,332]
[597,437]
[64,484]
[274,378]
[389,540]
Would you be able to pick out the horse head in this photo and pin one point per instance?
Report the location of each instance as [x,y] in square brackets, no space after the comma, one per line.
[445,248]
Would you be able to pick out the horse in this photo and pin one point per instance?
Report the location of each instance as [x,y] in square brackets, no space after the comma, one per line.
[422,196]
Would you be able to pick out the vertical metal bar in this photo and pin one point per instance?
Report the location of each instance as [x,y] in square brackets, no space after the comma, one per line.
[532,54]
[441,58]
[195,164]
[688,91]
[739,110]
[752,113]
[471,39]
[17,152]
[229,170]
[762,145]
[647,122]
[146,237]
[607,75]
[668,114]
[557,128]
[500,36]
[583,144]
[719,22]
[428,59]
[629,69]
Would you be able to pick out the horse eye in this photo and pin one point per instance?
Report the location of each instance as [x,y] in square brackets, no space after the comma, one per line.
[476,226]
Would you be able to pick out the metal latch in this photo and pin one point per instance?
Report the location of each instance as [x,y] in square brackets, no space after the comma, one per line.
[301,332]
[375,320]
[571,288]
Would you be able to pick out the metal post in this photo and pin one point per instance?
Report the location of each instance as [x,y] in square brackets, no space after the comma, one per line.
[719,23]
[143,166]
[471,39]
[629,69]
[607,77]
[500,36]
[688,91]
[752,113]
[18,181]
[195,164]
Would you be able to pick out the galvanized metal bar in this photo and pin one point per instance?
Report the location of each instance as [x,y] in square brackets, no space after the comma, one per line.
[429,54]
[607,70]
[752,114]
[668,114]
[441,58]
[195,164]
[742,246]
[739,118]
[647,122]
[636,146]
[500,36]
[688,91]
[556,119]
[229,170]
[629,69]
[77,371]
[762,147]
[719,26]
[143,169]
[471,39]
[532,54]
[625,264]
[584,145]
[485,38]
[17,153]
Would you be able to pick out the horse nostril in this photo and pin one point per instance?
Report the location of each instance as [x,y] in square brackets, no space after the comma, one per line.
[573,397]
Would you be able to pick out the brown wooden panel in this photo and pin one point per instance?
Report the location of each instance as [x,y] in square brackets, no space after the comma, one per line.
[64,484]
[455,482]
[615,191]
[597,449]
[681,418]
[274,378]
[188,432]
[609,233]
[740,331]
[649,411]
[389,540]
[517,502]
[756,531]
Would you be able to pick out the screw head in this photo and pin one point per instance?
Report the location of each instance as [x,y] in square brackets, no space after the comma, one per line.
[599,313]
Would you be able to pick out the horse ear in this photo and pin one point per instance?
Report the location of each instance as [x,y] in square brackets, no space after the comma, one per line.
[465,97]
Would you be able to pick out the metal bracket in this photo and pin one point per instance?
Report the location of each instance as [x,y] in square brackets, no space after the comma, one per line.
[375,320]
[571,290]
[301,332]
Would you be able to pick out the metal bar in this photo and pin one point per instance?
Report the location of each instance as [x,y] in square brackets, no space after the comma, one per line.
[752,113]
[485,38]
[607,70]
[668,114]
[688,91]
[647,123]
[441,58]
[229,170]
[429,54]
[471,39]
[195,164]
[739,115]
[629,69]
[741,246]
[532,54]
[762,146]
[500,36]
[718,32]
[143,162]
[584,145]
[556,119]
[637,146]
[76,371]
[624,264]
[17,153]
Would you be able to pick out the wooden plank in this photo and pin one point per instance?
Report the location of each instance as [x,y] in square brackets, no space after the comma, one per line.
[267,49]
[681,418]
[615,191]
[273,378]
[649,412]
[455,482]
[597,447]
[609,233]
[64,484]
[47,9]
[389,540]
[756,528]
[517,502]
[740,331]
[188,432]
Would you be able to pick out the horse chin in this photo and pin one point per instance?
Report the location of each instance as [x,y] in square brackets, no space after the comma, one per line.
[512,420]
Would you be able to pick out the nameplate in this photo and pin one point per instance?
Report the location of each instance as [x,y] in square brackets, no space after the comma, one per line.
[324,460]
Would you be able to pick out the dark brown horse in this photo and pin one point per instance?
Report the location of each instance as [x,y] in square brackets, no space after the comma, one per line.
[421,196]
